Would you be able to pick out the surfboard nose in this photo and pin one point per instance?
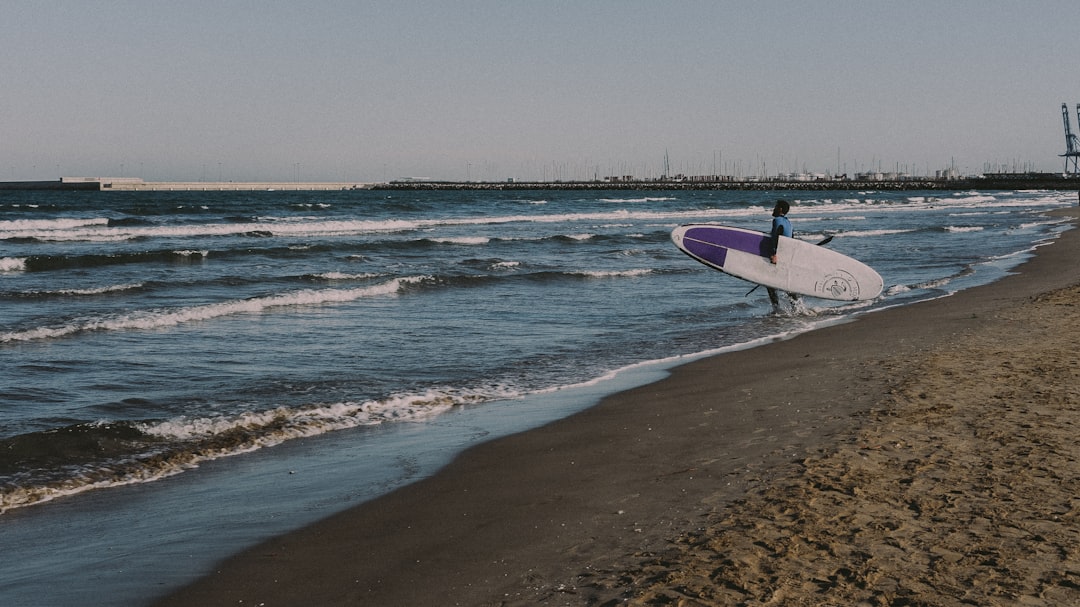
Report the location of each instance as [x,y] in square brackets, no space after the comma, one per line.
[677,235]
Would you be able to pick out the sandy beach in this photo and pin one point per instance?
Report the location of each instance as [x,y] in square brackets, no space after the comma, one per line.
[923,455]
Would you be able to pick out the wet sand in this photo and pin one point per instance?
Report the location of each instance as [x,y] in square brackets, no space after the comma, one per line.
[923,455]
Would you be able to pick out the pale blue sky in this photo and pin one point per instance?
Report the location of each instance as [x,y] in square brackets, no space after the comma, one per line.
[322,90]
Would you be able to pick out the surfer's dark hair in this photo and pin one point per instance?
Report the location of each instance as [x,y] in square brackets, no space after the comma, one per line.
[783,204]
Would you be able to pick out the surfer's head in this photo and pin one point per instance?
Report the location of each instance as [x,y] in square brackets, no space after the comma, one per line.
[781,208]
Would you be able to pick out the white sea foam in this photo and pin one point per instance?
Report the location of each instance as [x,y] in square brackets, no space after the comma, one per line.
[297,422]
[149,320]
[106,233]
[645,199]
[933,284]
[615,273]
[19,225]
[1038,224]
[17,497]
[343,276]
[463,240]
[961,229]
[99,290]
[12,264]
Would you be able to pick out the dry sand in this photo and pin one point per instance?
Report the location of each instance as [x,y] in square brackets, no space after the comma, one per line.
[923,455]
[962,488]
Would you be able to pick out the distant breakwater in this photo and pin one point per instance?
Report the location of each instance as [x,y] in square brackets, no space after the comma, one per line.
[980,183]
[1041,181]
[134,184]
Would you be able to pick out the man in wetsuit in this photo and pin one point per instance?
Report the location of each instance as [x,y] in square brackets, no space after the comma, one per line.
[780,227]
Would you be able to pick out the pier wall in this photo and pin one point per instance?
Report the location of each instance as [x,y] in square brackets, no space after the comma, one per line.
[229,186]
[48,185]
[134,184]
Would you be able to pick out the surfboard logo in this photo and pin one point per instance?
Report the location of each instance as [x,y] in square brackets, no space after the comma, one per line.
[839,285]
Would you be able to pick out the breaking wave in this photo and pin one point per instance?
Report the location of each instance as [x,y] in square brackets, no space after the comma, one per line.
[42,466]
[147,320]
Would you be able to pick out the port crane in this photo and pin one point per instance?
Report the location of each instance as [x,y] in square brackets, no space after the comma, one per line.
[1072,145]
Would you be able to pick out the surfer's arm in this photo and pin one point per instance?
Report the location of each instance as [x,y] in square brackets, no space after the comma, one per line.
[774,241]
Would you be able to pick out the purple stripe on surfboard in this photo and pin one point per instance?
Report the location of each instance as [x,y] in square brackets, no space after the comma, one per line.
[711,253]
[754,243]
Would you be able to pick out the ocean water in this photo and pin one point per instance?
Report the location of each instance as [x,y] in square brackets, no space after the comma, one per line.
[185,373]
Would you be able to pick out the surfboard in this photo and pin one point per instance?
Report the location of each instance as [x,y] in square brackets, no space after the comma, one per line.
[802,267]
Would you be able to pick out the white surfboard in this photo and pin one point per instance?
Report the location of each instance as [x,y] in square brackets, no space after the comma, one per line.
[802,267]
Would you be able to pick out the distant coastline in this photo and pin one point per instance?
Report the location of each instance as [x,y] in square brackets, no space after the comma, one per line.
[998,181]
[1053,181]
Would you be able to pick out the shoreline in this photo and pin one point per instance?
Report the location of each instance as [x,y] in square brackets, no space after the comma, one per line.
[590,509]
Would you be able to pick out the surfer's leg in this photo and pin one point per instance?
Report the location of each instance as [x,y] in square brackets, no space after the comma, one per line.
[772,296]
